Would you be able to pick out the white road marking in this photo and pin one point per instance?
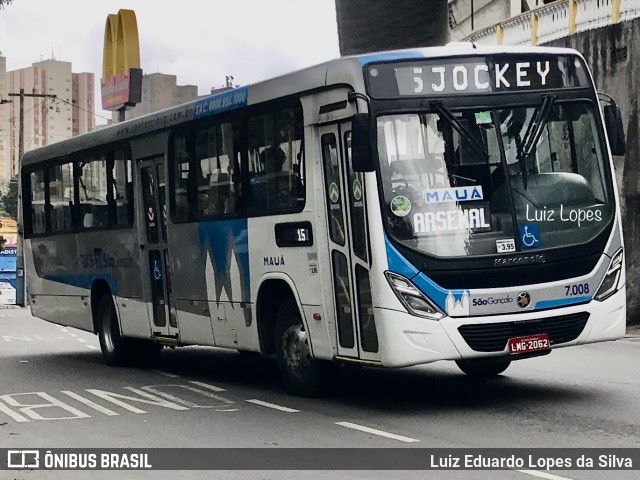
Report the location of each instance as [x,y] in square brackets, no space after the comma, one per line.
[89,403]
[73,334]
[272,405]
[148,399]
[210,387]
[186,403]
[65,330]
[373,431]
[28,405]
[81,340]
[9,338]
[548,476]
[191,389]
[92,347]
[31,409]
[16,416]
[166,374]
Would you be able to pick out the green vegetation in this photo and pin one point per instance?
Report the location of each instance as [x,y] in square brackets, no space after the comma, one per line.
[9,201]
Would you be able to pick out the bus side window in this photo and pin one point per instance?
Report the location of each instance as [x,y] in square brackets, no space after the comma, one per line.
[61,195]
[37,202]
[181,166]
[215,180]
[275,161]
[122,188]
[94,210]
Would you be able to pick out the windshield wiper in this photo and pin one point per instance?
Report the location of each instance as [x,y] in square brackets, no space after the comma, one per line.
[461,129]
[533,133]
[536,126]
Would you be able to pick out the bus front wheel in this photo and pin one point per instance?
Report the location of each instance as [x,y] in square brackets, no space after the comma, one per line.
[484,367]
[116,350]
[302,374]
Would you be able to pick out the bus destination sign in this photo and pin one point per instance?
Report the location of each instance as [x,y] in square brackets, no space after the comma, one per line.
[465,75]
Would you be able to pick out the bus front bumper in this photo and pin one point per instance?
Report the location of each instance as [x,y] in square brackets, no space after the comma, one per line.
[410,340]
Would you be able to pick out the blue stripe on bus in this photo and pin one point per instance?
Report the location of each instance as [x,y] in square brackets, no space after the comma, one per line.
[561,302]
[222,102]
[390,56]
[84,280]
[435,292]
[398,264]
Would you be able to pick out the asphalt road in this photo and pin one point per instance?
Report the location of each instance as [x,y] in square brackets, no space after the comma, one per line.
[56,392]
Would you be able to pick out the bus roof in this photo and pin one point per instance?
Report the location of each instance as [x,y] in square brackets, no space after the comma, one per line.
[344,70]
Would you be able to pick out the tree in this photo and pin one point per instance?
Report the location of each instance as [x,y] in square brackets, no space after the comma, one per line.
[9,201]
[4,2]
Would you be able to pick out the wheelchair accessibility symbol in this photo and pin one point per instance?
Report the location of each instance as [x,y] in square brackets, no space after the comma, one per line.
[530,236]
[157,270]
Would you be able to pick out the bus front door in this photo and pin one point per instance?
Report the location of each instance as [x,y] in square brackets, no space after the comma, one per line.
[348,246]
[154,250]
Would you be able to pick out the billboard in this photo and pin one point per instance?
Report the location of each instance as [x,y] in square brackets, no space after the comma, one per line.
[9,232]
[121,73]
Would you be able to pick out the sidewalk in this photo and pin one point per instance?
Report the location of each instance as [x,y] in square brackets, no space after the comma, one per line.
[4,307]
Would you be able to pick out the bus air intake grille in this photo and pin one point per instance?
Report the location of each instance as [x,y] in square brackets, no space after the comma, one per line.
[493,337]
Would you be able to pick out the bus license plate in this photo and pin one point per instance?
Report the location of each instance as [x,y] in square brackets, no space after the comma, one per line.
[528,344]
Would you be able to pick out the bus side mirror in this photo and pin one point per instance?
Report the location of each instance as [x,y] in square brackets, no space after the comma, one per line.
[615,129]
[361,158]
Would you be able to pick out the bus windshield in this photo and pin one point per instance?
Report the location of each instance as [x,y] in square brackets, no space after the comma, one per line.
[471,182]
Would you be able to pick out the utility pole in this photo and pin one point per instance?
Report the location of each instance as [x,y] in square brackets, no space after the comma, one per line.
[20,274]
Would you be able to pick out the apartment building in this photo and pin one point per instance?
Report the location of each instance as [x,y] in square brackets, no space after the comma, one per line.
[160,91]
[4,109]
[46,119]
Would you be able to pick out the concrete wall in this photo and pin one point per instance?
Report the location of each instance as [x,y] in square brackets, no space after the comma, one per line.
[373,25]
[613,54]
[486,13]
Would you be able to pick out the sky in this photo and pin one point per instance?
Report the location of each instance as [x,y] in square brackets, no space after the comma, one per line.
[199,41]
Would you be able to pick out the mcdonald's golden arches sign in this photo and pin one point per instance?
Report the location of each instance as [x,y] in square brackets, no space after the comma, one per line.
[121,72]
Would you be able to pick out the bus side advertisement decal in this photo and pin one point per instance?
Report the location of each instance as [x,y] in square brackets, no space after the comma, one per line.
[226,242]
[223,102]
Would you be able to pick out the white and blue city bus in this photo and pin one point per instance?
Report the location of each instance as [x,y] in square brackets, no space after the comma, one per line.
[390,209]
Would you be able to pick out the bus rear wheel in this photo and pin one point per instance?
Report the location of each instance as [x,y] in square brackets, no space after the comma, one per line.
[302,374]
[484,367]
[116,350]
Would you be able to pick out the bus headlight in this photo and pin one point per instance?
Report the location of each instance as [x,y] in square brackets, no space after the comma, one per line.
[412,298]
[611,279]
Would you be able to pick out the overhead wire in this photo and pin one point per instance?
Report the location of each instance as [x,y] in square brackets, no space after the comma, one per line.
[80,108]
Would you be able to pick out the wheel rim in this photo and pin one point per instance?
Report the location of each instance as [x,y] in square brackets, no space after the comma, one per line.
[295,350]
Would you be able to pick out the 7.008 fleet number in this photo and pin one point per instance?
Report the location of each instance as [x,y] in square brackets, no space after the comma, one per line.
[576,289]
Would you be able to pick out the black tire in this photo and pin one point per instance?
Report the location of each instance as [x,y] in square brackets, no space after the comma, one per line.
[302,375]
[484,367]
[116,351]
